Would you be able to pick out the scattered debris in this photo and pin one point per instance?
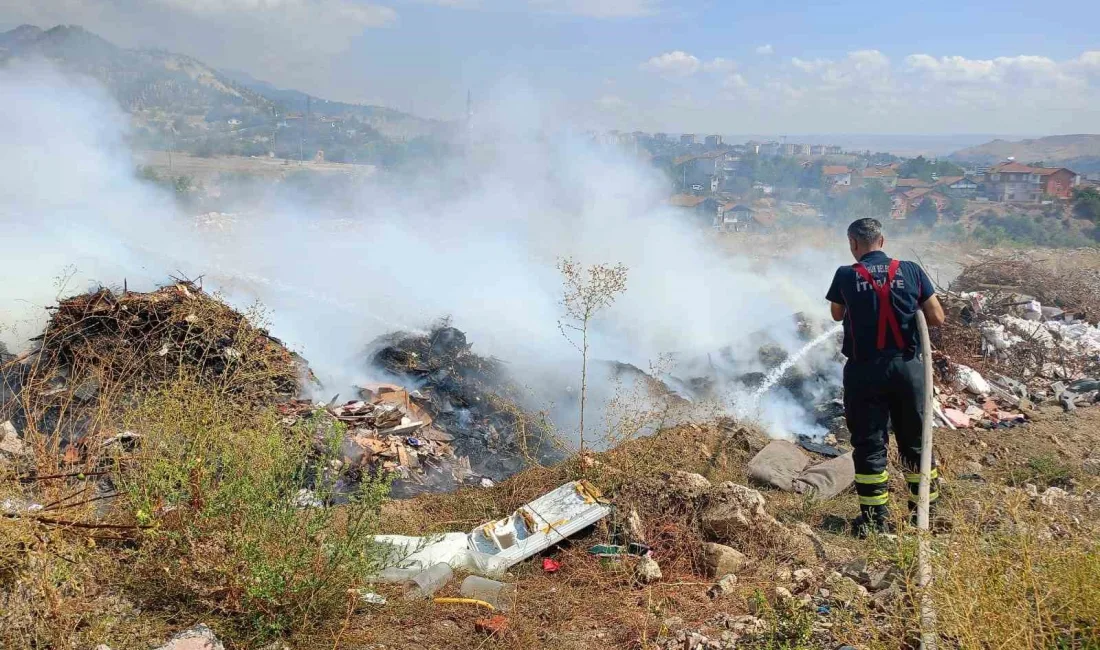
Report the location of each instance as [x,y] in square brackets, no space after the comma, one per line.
[371,598]
[493,626]
[550,565]
[424,584]
[498,595]
[491,548]
[783,465]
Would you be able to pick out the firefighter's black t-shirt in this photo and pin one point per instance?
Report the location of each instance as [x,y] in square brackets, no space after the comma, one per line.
[911,287]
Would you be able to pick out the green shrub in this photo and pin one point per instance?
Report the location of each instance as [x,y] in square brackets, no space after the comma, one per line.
[218,488]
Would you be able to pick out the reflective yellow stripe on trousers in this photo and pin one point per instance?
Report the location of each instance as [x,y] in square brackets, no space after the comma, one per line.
[872,479]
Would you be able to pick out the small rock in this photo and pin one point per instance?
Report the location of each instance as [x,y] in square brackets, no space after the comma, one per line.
[782,593]
[673,622]
[883,578]
[647,571]
[973,467]
[723,587]
[199,637]
[845,590]
[1091,466]
[783,574]
[857,570]
[721,560]
[803,575]
[886,599]
[687,486]
[10,443]
[103,646]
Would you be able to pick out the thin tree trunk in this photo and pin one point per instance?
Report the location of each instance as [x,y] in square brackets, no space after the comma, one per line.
[584,377]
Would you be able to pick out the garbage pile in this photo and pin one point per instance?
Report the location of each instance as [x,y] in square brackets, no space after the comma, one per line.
[469,397]
[389,432]
[1005,350]
[100,346]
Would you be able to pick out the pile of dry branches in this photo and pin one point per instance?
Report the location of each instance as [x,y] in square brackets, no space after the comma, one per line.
[1062,283]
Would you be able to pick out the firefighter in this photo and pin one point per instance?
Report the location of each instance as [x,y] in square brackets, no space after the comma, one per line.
[878,298]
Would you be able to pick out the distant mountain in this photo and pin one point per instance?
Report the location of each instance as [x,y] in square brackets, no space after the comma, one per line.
[141,80]
[1080,152]
[178,101]
[297,101]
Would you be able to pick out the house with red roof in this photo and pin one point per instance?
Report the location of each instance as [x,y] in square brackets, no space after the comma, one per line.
[1013,182]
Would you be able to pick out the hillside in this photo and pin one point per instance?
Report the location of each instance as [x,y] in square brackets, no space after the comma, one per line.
[1080,152]
[180,102]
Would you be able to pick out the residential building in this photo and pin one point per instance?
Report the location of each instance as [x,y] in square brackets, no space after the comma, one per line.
[885,176]
[1057,182]
[795,149]
[833,150]
[1013,182]
[770,149]
[958,186]
[713,141]
[836,174]
[911,183]
[904,202]
[660,137]
[696,173]
[734,217]
[817,150]
[687,138]
[701,208]
[764,188]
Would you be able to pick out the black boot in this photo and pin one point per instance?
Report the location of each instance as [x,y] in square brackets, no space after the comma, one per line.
[872,520]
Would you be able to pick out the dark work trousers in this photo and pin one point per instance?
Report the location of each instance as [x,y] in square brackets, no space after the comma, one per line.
[877,392]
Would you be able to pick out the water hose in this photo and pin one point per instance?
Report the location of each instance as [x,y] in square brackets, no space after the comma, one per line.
[464,601]
[928,636]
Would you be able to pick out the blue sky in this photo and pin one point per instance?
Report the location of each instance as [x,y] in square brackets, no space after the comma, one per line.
[727,67]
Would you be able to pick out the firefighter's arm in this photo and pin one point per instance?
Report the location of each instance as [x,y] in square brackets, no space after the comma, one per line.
[838,310]
[933,312]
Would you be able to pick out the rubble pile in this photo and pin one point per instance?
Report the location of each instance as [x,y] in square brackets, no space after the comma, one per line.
[1004,350]
[389,432]
[468,397]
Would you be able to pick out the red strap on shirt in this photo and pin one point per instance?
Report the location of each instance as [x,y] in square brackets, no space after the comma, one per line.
[886,315]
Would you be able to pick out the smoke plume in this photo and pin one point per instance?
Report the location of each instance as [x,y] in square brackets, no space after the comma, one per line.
[475,239]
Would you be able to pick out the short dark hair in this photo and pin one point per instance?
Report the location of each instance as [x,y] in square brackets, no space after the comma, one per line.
[865,231]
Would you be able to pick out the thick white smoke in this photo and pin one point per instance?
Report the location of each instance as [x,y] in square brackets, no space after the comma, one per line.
[476,239]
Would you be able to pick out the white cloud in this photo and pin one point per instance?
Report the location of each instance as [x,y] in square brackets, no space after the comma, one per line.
[328,12]
[598,8]
[765,49]
[673,64]
[719,65]
[1023,71]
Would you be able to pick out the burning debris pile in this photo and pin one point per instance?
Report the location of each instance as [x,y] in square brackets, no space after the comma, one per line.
[470,399]
[1017,335]
[388,432]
